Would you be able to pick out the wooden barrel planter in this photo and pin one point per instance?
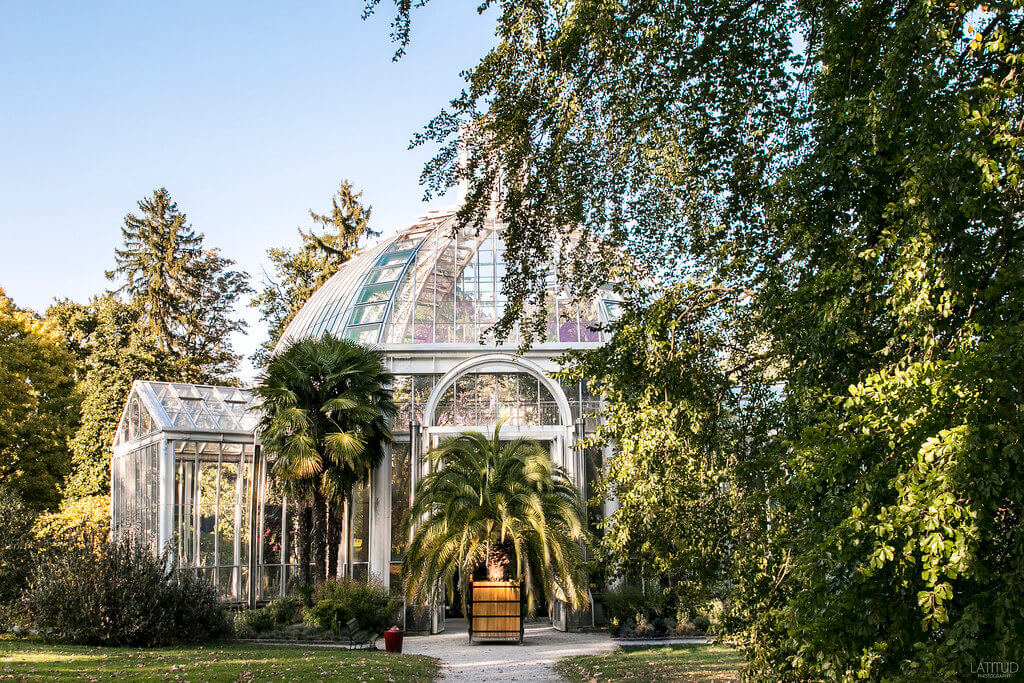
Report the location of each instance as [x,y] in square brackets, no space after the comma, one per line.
[496,611]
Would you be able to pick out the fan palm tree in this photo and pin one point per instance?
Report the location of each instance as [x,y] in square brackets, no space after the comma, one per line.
[326,409]
[500,506]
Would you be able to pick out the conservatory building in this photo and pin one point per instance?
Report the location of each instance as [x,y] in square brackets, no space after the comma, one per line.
[187,467]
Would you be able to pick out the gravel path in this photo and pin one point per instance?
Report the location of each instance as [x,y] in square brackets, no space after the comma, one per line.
[531,661]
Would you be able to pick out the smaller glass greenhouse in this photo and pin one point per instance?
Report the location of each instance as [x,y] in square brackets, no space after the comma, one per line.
[187,475]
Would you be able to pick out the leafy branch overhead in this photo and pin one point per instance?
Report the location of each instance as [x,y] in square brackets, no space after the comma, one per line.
[857,168]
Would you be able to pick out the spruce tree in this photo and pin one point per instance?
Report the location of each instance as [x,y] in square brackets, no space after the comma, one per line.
[297,273]
[184,294]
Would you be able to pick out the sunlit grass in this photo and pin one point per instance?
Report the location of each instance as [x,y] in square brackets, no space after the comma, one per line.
[662,663]
[33,660]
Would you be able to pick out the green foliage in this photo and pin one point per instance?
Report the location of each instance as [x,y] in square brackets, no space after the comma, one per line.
[75,520]
[184,295]
[255,621]
[327,407]
[335,601]
[297,273]
[16,545]
[113,351]
[278,613]
[856,167]
[682,412]
[117,593]
[629,602]
[285,610]
[38,405]
[501,505]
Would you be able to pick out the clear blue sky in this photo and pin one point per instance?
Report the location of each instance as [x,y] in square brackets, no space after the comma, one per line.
[248,112]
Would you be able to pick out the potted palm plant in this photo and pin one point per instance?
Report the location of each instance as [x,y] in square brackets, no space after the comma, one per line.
[503,512]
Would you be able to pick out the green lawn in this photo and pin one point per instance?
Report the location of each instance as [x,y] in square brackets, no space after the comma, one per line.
[662,663]
[33,660]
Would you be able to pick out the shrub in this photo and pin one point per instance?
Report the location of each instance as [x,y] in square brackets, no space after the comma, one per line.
[280,612]
[335,601]
[254,621]
[16,544]
[285,610]
[102,592]
[627,603]
[74,521]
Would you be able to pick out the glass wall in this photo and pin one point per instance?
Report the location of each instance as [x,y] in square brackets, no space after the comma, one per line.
[135,499]
[450,292]
[410,394]
[213,490]
[401,495]
[360,559]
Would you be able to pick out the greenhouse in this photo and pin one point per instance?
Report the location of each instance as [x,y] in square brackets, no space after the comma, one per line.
[184,465]
[427,296]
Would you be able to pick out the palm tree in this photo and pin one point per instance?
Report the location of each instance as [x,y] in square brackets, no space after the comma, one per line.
[500,506]
[326,406]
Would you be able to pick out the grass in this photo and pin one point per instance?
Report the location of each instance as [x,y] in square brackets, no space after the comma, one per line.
[661,663]
[35,660]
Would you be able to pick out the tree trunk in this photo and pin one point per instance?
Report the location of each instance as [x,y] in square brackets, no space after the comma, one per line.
[319,536]
[303,541]
[333,540]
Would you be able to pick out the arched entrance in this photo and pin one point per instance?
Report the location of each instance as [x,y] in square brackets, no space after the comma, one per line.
[478,393]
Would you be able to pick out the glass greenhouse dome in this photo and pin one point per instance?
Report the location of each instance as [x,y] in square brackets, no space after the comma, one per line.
[426,296]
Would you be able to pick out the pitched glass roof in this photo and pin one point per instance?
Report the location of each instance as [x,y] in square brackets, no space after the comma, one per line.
[169,406]
[428,284]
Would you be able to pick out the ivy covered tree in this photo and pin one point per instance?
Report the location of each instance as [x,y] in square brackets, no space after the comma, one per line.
[185,295]
[38,406]
[297,273]
[855,167]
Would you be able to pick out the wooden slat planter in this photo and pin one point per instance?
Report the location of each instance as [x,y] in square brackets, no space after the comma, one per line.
[496,611]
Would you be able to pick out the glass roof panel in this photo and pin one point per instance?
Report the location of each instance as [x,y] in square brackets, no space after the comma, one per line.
[433,284]
[188,407]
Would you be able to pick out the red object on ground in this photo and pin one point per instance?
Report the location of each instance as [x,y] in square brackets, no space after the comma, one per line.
[393,639]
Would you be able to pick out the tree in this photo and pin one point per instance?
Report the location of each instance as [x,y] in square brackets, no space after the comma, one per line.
[856,167]
[327,407]
[300,272]
[500,507]
[16,546]
[683,416]
[184,294]
[113,351]
[38,406]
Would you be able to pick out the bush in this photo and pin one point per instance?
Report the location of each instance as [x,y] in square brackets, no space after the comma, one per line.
[254,621]
[280,612]
[629,603]
[335,601]
[103,592]
[718,615]
[74,521]
[16,544]
[286,610]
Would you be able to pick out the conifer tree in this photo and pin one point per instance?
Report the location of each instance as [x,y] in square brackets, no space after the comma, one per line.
[184,295]
[297,273]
